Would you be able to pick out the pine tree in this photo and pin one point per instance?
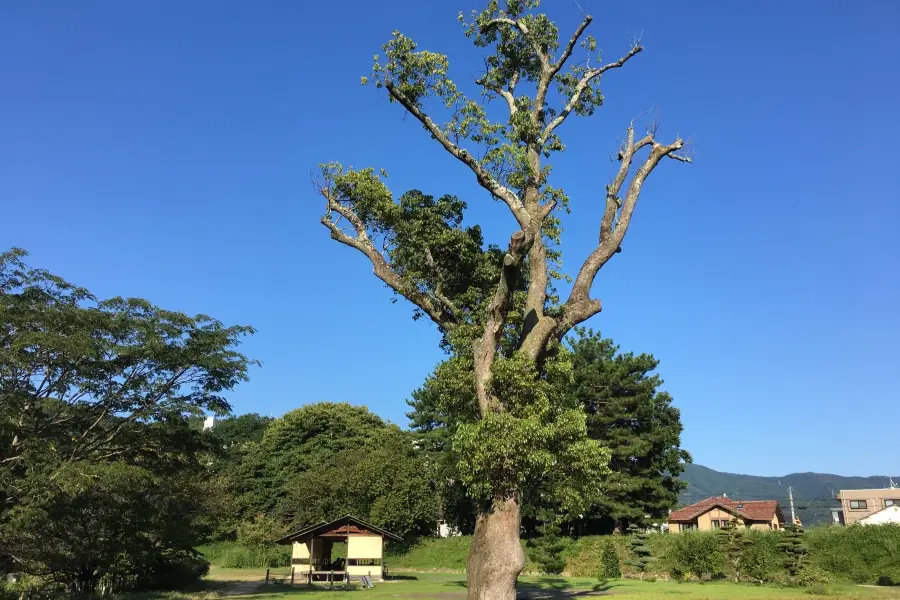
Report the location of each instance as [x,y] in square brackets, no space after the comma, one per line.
[733,542]
[609,562]
[630,414]
[643,555]
[546,549]
[793,546]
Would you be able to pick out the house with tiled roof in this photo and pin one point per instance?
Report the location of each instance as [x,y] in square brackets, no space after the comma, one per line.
[713,513]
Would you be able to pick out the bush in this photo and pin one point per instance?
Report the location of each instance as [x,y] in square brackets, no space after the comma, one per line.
[233,555]
[759,558]
[812,576]
[698,553]
[857,554]
[546,549]
[174,572]
[609,560]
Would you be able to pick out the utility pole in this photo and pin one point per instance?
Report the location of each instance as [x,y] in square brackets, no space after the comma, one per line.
[791,499]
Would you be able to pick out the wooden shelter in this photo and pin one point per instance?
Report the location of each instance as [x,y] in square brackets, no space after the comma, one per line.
[311,551]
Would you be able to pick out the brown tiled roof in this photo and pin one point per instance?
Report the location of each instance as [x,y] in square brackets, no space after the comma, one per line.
[753,510]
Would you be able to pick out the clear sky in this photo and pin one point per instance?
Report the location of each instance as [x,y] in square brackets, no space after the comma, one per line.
[164,149]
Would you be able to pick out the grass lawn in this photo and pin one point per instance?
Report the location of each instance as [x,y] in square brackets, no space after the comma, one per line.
[246,584]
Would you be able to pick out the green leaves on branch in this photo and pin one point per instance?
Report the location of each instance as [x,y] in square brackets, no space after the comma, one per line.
[82,378]
[537,440]
[423,239]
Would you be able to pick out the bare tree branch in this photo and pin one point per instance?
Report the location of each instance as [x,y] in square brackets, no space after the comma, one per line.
[380,266]
[484,178]
[555,68]
[614,223]
[505,94]
[588,76]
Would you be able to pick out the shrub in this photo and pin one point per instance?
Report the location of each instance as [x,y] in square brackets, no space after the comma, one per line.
[609,562]
[546,550]
[792,544]
[174,572]
[698,553]
[759,557]
[858,554]
[812,576]
[233,555]
[643,554]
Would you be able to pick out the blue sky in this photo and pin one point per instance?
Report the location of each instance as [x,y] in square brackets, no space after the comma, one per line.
[164,150]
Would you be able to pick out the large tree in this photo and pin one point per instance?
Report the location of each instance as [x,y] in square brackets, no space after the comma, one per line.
[97,403]
[296,442]
[518,429]
[628,413]
[384,481]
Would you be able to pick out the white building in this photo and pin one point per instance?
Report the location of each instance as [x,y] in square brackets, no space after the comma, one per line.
[888,514]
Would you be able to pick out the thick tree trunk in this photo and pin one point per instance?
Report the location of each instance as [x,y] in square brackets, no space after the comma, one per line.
[495,557]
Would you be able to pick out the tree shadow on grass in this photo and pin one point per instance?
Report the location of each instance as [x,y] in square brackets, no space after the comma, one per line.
[555,588]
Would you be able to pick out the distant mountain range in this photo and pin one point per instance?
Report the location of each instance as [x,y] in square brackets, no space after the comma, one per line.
[813,492]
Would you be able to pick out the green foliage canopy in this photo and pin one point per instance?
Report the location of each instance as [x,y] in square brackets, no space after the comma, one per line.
[101,465]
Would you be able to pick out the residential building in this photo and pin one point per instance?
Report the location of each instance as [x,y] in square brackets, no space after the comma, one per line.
[889,515]
[713,513]
[859,504]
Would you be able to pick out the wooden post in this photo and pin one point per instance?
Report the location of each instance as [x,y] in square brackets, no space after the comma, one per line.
[267,577]
[312,545]
[292,575]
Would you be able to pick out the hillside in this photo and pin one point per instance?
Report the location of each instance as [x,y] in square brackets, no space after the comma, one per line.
[813,492]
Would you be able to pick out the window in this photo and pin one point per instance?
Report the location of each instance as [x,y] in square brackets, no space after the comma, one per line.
[739,506]
[891,502]
[858,505]
[715,524]
[363,562]
[688,526]
[300,561]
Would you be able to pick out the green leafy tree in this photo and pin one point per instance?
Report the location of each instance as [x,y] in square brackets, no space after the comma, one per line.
[760,558]
[547,547]
[628,414]
[640,549]
[793,548]
[433,433]
[80,376]
[109,526]
[384,481]
[98,451]
[609,562]
[235,435]
[259,535]
[298,441]
[496,307]
[625,412]
[734,543]
[697,552]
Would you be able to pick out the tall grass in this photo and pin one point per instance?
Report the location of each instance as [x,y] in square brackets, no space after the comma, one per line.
[859,554]
[232,555]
